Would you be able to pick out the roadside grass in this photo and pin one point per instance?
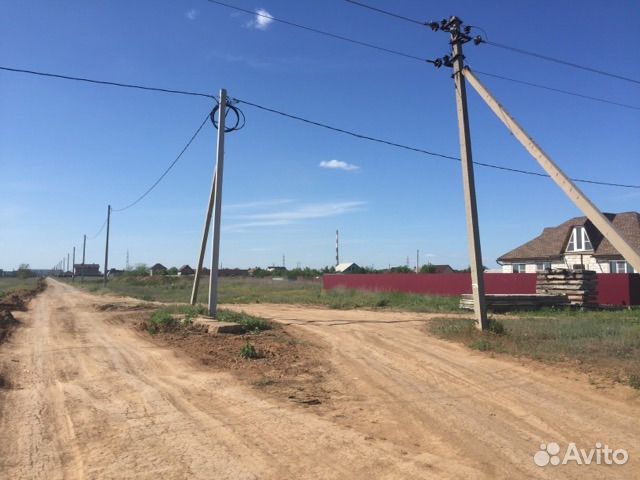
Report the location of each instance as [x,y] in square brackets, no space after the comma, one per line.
[165,320]
[607,342]
[8,285]
[252,290]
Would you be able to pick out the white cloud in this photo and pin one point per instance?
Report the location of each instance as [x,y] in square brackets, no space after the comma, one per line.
[258,204]
[338,165]
[192,14]
[261,21]
[294,215]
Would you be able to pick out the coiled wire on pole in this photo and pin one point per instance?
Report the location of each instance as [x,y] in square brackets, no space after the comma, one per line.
[240,118]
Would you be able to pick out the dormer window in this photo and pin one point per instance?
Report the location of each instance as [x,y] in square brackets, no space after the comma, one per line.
[579,240]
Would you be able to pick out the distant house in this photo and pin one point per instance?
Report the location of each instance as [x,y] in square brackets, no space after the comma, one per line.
[186,270]
[442,269]
[576,243]
[347,268]
[114,272]
[233,272]
[87,270]
[158,269]
[205,271]
[277,269]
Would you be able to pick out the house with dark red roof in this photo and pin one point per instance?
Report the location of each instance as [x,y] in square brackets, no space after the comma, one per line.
[575,244]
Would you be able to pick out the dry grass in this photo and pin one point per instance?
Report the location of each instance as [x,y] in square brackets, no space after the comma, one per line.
[604,342]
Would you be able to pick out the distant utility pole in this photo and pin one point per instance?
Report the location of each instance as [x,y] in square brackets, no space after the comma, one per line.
[67,264]
[418,261]
[106,247]
[84,248]
[73,266]
[458,38]
[127,266]
[337,249]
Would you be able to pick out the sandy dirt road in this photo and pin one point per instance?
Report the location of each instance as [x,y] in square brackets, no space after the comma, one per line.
[90,397]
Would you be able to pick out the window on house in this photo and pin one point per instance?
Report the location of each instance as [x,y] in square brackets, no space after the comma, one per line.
[579,240]
[543,266]
[620,266]
[519,267]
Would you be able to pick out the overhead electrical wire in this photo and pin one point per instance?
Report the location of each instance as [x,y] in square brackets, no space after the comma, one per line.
[502,45]
[310,122]
[104,82]
[386,12]
[166,171]
[320,32]
[562,62]
[94,236]
[558,90]
[420,150]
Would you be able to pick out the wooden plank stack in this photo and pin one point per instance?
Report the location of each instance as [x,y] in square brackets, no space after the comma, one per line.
[506,302]
[579,286]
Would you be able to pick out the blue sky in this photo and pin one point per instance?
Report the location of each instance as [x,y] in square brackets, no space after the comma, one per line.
[67,149]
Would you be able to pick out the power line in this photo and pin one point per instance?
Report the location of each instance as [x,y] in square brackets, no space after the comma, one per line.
[166,171]
[502,45]
[386,12]
[553,89]
[104,82]
[320,32]
[301,119]
[420,150]
[99,231]
[562,62]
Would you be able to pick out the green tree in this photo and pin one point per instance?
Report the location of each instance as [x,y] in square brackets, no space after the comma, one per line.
[24,271]
[428,268]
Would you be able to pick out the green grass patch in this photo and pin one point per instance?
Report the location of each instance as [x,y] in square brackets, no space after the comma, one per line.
[249,322]
[608,342]
[9,285]
[254,290]
[162,321]
[249,352]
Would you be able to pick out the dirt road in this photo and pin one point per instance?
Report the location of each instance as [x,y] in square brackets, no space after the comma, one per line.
[90,397]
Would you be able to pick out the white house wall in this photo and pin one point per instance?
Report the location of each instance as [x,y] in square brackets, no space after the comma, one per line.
[589,262]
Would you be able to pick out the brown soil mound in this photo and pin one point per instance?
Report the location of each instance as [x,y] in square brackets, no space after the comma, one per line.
[287,366]
[7,323]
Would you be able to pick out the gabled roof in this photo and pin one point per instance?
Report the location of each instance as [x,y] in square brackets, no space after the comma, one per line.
[552,242]
[342,267]
[158,266]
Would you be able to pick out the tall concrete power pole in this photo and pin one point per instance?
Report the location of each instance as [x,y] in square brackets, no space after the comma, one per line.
[337,248]
[106,247]
[84,248]
[217,207]
[458,38]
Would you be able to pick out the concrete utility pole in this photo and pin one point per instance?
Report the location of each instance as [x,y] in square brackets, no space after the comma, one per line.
[84,247]
[73,266]
[337,249]
[417,261]
[473,228]
[574,193]
[217,208]
[67,264]
[106,247]
[205,237]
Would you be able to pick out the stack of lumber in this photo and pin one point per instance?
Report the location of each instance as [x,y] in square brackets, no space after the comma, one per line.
[579,286]
[502,303]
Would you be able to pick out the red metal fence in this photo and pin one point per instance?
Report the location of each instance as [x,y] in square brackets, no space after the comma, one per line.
[613,288]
